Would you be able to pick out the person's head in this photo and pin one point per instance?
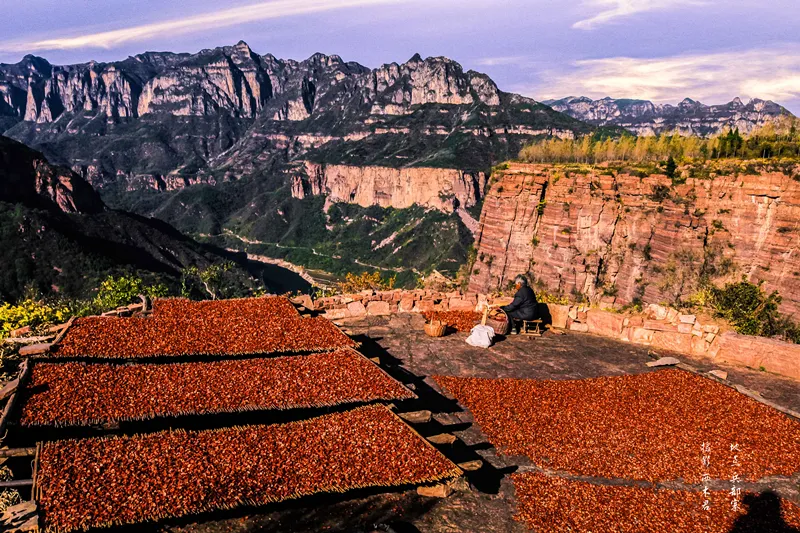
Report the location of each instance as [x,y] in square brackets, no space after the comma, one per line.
[520,281]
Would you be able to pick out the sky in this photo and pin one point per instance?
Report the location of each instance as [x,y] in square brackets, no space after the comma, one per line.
[659,50]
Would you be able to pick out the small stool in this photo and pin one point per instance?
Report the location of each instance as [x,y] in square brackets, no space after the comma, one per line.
[531,328]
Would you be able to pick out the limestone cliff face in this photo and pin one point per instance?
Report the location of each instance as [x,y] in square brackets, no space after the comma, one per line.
[689,117]
[616,237]
[230,112]
[437,188]
[27,178]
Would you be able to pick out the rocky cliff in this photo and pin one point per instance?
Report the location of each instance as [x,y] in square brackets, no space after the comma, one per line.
[162,120]
[615,236]
[436,188]
[689,117]
[27,178]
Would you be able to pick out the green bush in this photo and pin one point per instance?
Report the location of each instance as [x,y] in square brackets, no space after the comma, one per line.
[123,290]
[751,311]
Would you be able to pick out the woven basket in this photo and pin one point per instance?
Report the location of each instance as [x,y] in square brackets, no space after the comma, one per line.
[500,327]
[435,328]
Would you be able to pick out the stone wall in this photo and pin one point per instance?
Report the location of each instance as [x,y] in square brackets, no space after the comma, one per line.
[661,327]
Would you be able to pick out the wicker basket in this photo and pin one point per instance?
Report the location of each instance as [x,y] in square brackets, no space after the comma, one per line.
[435,328]
[500,327]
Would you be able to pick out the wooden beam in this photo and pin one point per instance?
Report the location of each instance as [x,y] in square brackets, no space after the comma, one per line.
[9,388]
[16,483]
[23,374]
[29,340]
[34,349]
[17,452]
[64,331]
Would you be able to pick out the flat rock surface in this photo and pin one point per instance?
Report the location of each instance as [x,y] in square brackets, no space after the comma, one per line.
[411,356]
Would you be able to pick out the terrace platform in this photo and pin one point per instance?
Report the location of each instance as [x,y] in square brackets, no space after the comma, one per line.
[489,505]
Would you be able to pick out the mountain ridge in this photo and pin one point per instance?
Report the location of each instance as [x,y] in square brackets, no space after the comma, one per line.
[688,117]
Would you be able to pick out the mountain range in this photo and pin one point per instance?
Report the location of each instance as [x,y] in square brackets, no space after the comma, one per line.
[689,117]
[323,162]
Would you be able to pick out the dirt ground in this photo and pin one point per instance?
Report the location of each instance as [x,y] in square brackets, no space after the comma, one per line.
[486,502]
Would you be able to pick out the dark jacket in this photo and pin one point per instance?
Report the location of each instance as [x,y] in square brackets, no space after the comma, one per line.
[524,305]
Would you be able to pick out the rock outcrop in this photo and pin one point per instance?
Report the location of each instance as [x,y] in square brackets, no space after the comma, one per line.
[27,178]
[437,188]
[615,237]
[689,117]
[228,112]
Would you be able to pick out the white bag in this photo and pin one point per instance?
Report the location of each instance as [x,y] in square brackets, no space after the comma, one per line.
[481,336]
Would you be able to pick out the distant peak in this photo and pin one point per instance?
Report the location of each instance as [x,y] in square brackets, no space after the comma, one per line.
[416,58]
[736,102]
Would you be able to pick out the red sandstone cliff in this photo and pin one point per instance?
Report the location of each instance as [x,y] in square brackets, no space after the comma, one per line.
[615,237]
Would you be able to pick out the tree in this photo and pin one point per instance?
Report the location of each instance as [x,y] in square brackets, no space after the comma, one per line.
[670,168]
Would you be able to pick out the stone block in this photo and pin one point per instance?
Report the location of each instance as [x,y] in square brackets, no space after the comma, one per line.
[684,328]
[356,309]
[672,315]
[710,337]
[582,316]
[699,346]
[423,306]
[604,323]
[641,335]
[406,304]
[579,327]
[756,352]
[379,308]
[460,304]
[657,312]
[721,374]
[687,319]
[664,361]
[672,341]
[636,321]
[573,313]
[559,315]
[710,328]
[657,325]
[337,314]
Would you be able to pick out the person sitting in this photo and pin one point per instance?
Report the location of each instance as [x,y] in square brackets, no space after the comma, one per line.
[524,305]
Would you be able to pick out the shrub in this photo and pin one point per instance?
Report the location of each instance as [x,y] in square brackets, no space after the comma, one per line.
[366,281]
[751,311]
[30,312]
[123,290]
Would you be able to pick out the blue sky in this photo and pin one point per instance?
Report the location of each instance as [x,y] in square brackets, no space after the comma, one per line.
[662,50]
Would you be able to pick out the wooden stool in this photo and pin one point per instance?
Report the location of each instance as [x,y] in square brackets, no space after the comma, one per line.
[532,328]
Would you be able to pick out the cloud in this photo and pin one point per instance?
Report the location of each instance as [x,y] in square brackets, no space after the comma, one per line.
[770,73]
[503,60]
[614,9]
[199,23]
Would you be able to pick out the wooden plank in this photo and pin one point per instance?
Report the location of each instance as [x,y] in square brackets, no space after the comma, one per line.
[30,340]
[34,349]
[63,331]
[17,452]
[23,374]
[16,483]
[9,388]
[34,495]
